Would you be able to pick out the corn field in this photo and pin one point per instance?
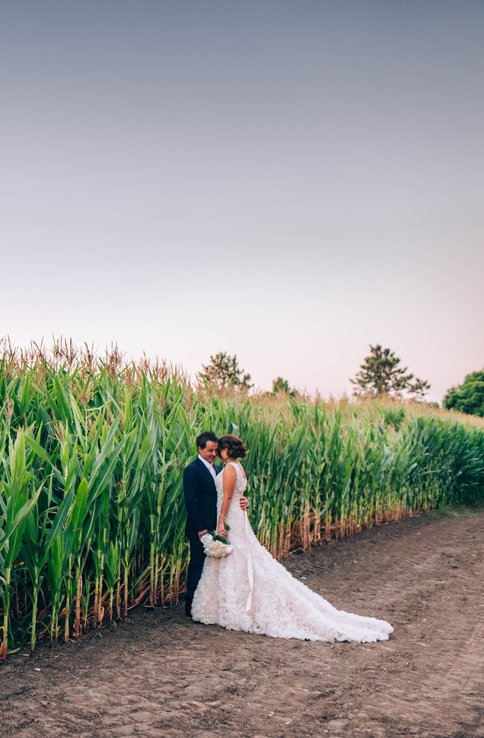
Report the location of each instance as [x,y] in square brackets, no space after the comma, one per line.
[91,503]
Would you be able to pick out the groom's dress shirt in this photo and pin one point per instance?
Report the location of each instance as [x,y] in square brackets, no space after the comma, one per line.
[210,467]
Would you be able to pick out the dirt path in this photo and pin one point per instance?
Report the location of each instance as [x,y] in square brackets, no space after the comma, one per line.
[164,676]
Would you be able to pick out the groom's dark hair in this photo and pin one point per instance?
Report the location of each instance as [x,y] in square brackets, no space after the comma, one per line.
[203,439]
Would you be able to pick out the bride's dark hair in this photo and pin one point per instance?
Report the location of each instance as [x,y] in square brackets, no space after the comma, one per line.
[234,446]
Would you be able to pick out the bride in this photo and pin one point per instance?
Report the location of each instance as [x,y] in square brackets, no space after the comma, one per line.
[249,590]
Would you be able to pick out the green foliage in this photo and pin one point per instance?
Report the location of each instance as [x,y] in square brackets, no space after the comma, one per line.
[223,373]
[394,416]
[281,385]
[468,397]
[381,374]
[91,504]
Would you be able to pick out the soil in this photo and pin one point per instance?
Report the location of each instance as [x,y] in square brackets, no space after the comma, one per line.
[161,675]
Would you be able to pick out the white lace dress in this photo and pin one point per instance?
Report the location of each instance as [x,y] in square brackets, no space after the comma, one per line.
[249,590]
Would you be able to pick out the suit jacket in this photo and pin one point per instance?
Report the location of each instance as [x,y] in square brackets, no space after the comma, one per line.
[200,498]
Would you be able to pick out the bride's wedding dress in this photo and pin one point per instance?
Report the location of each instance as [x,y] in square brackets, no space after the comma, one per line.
[249,590]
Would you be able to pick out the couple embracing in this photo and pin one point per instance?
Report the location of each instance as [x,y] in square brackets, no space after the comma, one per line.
[248,589]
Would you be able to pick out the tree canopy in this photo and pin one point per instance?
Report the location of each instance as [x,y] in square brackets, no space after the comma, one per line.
[223,372]
[467,397]
[381,373]
[280,385]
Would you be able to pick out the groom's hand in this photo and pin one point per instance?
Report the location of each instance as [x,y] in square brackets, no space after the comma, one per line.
[202,533]
[244,503]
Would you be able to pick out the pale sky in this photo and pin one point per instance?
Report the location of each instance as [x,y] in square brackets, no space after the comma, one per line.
[286,181]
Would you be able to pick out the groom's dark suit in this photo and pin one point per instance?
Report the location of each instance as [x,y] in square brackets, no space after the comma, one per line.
[201,503]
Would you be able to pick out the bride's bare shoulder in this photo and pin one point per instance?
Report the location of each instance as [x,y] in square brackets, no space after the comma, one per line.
[229,470]
[241,469]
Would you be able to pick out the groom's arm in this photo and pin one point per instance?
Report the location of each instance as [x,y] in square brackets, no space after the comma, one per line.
[244,503]
[191,491]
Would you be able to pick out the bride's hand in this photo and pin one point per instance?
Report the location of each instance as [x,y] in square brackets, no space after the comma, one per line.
[221,531]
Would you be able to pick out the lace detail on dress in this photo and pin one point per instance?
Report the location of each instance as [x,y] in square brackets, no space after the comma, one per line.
[249,590]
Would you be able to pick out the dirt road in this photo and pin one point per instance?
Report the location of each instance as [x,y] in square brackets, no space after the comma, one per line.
[164,676]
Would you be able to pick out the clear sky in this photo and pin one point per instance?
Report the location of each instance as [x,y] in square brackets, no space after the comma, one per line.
[286,181]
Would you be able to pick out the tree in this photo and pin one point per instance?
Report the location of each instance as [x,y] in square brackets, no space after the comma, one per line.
[418,389]
[381,374]
[281,385]
[467,397]
[223,372]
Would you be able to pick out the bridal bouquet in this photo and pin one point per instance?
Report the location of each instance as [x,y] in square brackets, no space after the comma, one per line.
[215,545]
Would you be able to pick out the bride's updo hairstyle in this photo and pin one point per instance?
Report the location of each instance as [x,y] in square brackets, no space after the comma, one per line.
[235,447]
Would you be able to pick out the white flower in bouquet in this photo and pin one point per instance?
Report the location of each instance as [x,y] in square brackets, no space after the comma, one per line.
[215,546]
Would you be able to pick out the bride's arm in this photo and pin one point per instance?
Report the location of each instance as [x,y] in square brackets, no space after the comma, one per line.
[228,490]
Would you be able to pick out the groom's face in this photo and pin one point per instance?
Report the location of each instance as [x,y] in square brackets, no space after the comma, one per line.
[209,453]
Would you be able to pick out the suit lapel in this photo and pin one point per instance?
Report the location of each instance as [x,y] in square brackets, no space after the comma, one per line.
[207,471]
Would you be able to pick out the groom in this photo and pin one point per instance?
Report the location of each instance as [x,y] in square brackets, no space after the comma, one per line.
[201,503]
